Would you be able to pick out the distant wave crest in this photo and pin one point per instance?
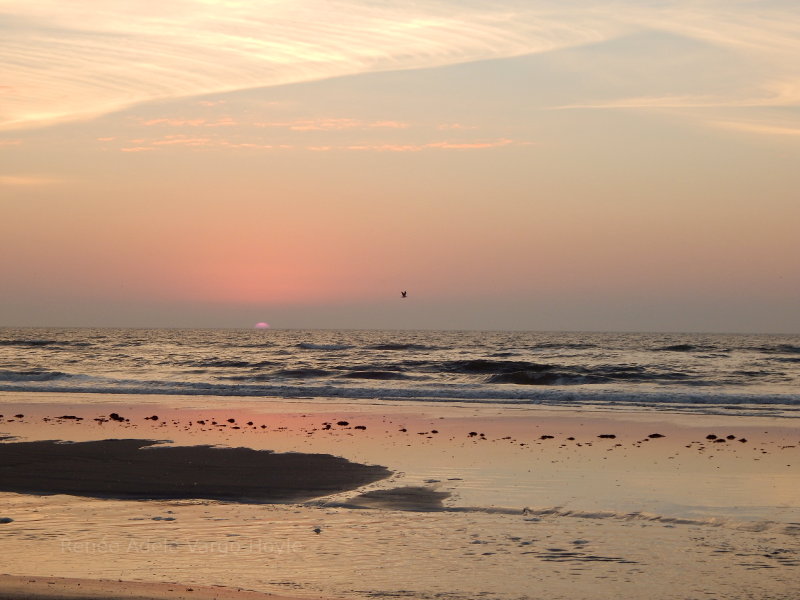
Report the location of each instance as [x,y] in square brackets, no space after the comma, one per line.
[310,346]
[401,347]
[36,343]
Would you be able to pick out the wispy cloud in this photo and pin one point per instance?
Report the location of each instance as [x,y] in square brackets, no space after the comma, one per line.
[332,124]
[221,122]
[454,127]
[205,143]
[78,59]
[761,38]
[470,145]
[443,145]
[69,60]
[759,128]
[773,95]
[25,180]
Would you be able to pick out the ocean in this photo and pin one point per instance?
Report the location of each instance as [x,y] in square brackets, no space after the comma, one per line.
[706,373]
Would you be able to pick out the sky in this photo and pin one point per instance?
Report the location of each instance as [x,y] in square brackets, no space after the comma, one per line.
[620,165]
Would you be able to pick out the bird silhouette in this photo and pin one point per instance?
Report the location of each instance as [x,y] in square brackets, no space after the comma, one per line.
[404,294]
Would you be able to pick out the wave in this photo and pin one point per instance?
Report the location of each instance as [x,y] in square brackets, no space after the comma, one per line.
[310,346]
[402,347]
[538,378]
[792,529]
[383,375]
[787,359]
[780,349]
[227,364]
[564,345]
[33,375]
[712,402]
[28,342]
[302,373]
[482,365]
[241,345]
[530,373]
[277,375]
[690,348]
[34,343]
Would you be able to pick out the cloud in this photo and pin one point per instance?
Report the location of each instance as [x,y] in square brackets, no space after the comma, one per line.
[332,124]
[443,145]
[221,143]
[388,125]
[181,140]
[470,145]
[759,41]
[454,127]
[72,60]
[80,59]
[221,122]
[759,128]
[780,94]
[25,180]
[743,114]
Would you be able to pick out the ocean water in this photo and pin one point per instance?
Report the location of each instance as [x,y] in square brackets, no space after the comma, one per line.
[752,374]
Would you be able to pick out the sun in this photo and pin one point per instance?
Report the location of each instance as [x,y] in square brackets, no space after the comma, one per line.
[262,325]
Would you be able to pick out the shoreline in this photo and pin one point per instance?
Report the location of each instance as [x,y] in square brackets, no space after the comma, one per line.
[24,587]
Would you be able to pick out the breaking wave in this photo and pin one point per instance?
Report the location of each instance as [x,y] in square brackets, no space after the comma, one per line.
[34,375]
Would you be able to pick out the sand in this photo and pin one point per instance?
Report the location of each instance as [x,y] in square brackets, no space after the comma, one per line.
[492,503]
[15,587]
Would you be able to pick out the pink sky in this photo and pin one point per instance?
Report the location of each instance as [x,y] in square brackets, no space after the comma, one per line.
[513,168]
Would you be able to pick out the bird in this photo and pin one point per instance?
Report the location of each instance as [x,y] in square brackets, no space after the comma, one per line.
[404,294]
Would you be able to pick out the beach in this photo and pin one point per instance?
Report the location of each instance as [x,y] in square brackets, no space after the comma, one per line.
[430,300]
[461,501]
[64,588]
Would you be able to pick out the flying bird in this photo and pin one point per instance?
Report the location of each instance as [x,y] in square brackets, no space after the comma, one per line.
[404,294]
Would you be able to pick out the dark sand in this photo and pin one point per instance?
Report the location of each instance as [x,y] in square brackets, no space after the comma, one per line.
[130,468]
[15,587]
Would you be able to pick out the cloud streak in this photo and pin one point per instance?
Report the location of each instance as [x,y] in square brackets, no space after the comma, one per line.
[72,60]
[25,180]
[65,61]
[205,143]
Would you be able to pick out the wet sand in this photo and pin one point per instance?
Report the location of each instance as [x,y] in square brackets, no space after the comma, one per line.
[69,588]
[129,468]
[480,502]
